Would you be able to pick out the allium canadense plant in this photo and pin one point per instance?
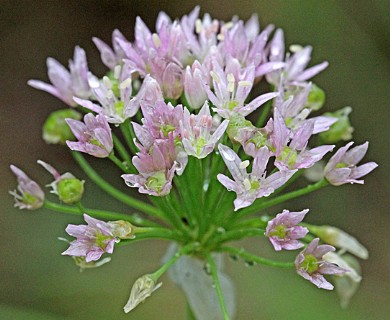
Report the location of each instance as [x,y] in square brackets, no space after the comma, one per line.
[175,113]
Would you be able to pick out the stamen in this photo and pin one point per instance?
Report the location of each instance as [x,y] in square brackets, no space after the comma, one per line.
[117,71]
[156,40]
[244,164]
[198,26]
[107,82]
[125,84]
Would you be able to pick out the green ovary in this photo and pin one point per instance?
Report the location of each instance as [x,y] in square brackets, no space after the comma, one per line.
[279,232]
[231,105]
[200,143]
[341,165]
[28,198]
[310,264]
[166,128]
[101,240]
[119,106]
[156,182]
[289,155]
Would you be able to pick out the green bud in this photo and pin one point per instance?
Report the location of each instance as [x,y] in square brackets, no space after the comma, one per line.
[70,190]
[55,129]
[316,98]
[341,130]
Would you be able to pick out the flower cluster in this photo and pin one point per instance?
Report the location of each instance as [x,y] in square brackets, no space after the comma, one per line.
[181,98]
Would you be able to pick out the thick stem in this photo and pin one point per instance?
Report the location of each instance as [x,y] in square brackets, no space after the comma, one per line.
[218,288]
[249,257]
[118,163]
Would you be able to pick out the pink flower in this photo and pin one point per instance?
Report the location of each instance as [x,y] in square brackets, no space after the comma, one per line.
[232,87]
[94,135]
[311,265]
[66,84]
[295,69]
[251,186]
[293,153]
[283,231]
[92,240]
[342,168]
[156,166]
[30,194]
[196,132]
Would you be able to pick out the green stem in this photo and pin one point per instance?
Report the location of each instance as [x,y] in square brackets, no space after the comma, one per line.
[118,163]
[153,233]
[218,288]
[128,132]
[236,235]
[264,113]
[189,313]
[100,214]
[121,148]
[134,203]
[272,202]
[247,256]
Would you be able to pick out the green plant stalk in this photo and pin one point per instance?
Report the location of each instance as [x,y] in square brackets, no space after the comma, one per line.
[99,214]
[134,203]
[118,163]
[218,288]
[254,208]
[234,235]
[128,133]
[247,256]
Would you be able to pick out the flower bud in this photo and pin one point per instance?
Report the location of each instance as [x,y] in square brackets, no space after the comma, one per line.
[316,98]
[346,284]
[122,229]
[340,239]
[340,130]
[70,190]
[55,129]
[142,288]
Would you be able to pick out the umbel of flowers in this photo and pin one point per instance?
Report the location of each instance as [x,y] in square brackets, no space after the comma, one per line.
[177,115]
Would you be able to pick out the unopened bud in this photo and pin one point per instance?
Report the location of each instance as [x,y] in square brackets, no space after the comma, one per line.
[70,190]
[316,98]
[341,130]
[340,239]
[142,288]
[122,229]
[55,130]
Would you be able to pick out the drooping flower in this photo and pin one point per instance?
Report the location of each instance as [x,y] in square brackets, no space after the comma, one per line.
[30,194]
[340,239]
[251,186]
[342,167]
[196,132]
[346,284]
[68,188]
[94,135]
[66,84]
[311,265]
[283,231]
[92,240]
[142,289]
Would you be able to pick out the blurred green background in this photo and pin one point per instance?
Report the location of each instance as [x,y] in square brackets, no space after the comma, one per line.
[36,282]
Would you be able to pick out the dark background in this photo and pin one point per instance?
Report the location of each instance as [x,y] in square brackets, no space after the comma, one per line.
[36,282]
